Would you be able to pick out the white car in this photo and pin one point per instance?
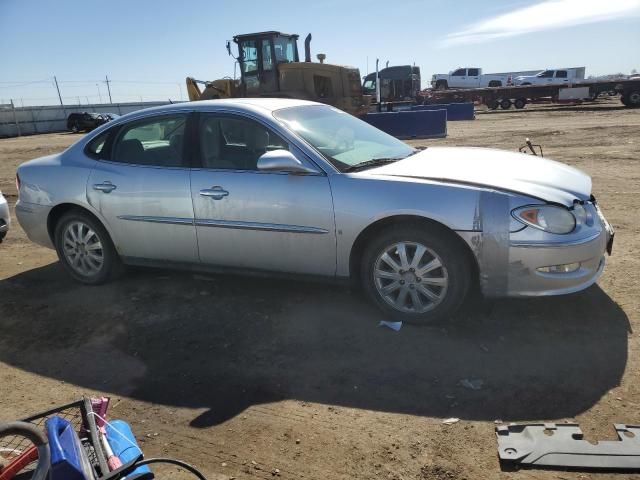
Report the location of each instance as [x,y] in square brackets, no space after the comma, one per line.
[5,219]
[469,78]
[552,77]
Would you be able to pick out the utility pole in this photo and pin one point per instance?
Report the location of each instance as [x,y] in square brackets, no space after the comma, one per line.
[108,88]
[99,94]
[377,84]
[58,88]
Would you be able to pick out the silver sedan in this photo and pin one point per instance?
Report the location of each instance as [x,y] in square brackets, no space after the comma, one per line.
[298,188]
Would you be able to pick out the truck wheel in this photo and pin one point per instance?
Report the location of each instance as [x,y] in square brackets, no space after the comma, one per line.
[632,99]
[442,85]
[525,84]
[495,83]
[493,104]
[75,128]
[519,103]
[505,104]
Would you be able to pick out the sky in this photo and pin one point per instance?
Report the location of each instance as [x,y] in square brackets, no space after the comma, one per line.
[148,47]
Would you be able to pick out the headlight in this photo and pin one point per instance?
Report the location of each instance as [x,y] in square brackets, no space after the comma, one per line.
[549,218]
[583,216]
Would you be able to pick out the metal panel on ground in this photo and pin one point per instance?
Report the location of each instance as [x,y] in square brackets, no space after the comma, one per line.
[411,124]
[455,111]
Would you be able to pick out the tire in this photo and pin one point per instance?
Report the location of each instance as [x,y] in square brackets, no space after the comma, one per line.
[505,104]
[2,236]
[520,103]
[495,83]
[85,248]
[493,104]
[632,99]
[75,128]
[525,84]
[442,85]
[439,297]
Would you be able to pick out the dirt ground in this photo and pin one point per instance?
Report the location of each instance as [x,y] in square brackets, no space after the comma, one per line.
[243,376]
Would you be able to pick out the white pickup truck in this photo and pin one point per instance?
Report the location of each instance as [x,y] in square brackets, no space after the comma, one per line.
[469,78]
[558,76]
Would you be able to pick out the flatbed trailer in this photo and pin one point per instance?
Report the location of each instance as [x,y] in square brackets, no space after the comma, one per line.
[505,97]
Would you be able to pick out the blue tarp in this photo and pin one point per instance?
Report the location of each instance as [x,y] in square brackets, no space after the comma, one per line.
[455,111]
[411,124]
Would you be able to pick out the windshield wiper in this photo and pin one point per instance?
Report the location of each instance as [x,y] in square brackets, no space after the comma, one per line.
[374,162]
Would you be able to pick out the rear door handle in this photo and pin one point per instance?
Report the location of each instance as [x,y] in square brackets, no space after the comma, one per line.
[216,193]
[106,187]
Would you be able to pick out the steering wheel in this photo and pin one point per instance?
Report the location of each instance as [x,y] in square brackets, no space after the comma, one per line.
[39,451]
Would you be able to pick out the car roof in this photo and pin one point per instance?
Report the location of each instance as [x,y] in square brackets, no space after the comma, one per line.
[268,104]
[263,106]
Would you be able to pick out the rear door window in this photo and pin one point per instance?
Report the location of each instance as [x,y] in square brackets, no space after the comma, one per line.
[157,141]
[96,148]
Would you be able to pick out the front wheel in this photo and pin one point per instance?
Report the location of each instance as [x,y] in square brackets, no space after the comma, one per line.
[85,248]
[75,128]
[416,274]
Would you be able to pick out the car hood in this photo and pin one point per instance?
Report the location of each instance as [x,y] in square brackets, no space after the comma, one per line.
[503,170]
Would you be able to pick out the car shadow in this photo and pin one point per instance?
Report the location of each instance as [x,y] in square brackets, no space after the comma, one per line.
[225,343]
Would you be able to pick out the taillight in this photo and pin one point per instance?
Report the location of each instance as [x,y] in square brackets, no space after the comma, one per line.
[18,183]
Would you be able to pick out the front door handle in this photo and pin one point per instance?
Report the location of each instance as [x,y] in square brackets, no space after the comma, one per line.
[217,193]
[106,187]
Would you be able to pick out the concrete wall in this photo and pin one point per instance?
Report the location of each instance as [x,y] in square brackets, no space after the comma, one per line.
[47,119]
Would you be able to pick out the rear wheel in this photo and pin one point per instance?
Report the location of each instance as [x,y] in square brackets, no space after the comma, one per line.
[505,104]
[75,128]
[85,248]
[520,103]
[493,104]
[632,99]
[442,85]
[415,273]
[2,235]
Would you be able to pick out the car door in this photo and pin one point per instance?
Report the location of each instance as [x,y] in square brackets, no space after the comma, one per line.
[473,77]
[140,186]
[561,77]
[458,79]
[546,77]
[258,220]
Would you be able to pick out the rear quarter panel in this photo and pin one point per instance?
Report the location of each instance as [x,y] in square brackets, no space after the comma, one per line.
[47,182]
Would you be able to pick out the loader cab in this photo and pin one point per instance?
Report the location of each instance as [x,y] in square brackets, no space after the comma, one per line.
[259,55]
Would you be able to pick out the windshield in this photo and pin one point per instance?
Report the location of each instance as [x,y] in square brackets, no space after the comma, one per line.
[342,138]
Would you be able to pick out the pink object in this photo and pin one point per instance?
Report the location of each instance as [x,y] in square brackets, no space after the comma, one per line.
[100,407]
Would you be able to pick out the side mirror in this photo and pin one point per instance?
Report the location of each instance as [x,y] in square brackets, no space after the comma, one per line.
[228,47]
[282,161]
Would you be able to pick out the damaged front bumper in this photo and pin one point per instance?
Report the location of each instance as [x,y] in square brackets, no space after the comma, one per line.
[531,263]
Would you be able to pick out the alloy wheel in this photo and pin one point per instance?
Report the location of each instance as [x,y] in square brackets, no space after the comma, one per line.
[83,249]
[410,277]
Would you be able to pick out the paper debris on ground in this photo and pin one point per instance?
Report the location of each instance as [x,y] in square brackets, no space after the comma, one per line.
[392,325]
[475,384]
[451,421]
